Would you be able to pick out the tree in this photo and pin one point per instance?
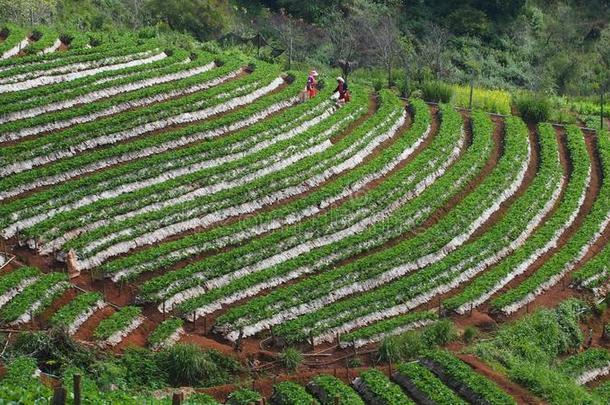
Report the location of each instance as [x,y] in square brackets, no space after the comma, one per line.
[432,48]
[27,12]
[205,19]
[379,34]
[341,32]
[295,36]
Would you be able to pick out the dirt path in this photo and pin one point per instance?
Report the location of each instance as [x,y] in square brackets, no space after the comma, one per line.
[521,395]
[85,332]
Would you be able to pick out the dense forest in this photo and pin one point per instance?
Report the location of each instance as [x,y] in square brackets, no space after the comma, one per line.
[555,47]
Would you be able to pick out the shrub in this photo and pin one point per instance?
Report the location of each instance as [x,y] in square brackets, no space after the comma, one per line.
[143,369]
[403,87]
[533,107]
[243,397]
[440,333]
[412,344]
[188,364]
[291,359]
[53,350]
[378,84]
[437,92]
[354,362]
[469,334]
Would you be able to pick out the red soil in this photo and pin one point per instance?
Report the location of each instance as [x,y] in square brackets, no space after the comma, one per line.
[85,332]
[520,394]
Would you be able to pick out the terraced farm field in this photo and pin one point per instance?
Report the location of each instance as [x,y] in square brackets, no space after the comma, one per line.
[193,197]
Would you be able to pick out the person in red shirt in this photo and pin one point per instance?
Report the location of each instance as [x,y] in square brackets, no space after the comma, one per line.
[312,82]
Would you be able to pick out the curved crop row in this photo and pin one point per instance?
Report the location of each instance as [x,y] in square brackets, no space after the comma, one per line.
[376,126]
[153,88]
[344,222]
[439,276]
[34,298]
[172,175]
[70,195]
[39,96]
[573,252]
[72,315]
[109,241]
[44,80]
[195,107]
[375,388]
[402,221]
[544,239]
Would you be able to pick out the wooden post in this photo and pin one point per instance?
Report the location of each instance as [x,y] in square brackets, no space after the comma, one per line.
[601,109]
[337,400]
[77,389]
[471,91]
[177,398]
[390,368]
[59,396]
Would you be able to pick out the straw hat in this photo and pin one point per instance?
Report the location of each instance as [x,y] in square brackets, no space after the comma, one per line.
[314,73]
[340,79]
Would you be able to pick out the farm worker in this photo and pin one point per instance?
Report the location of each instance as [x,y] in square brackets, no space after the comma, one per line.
[342,90]
[312,83]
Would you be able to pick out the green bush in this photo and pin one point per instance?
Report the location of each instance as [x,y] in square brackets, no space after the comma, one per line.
[440,333]
[143,369]
[469,334]
[291,359]
[52,350]
[243,397]
[533,107]
[378,84]
[188,364]
[436,91]
[412,344]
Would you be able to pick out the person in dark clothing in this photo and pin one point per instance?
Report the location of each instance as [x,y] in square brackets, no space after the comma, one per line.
[342,89]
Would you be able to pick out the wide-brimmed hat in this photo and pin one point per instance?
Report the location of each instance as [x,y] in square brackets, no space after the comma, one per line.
[340,79]
[314,73]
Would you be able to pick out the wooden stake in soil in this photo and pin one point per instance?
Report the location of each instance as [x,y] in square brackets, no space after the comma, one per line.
[77,389]
[337,400]
[59,396]
[177,398]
